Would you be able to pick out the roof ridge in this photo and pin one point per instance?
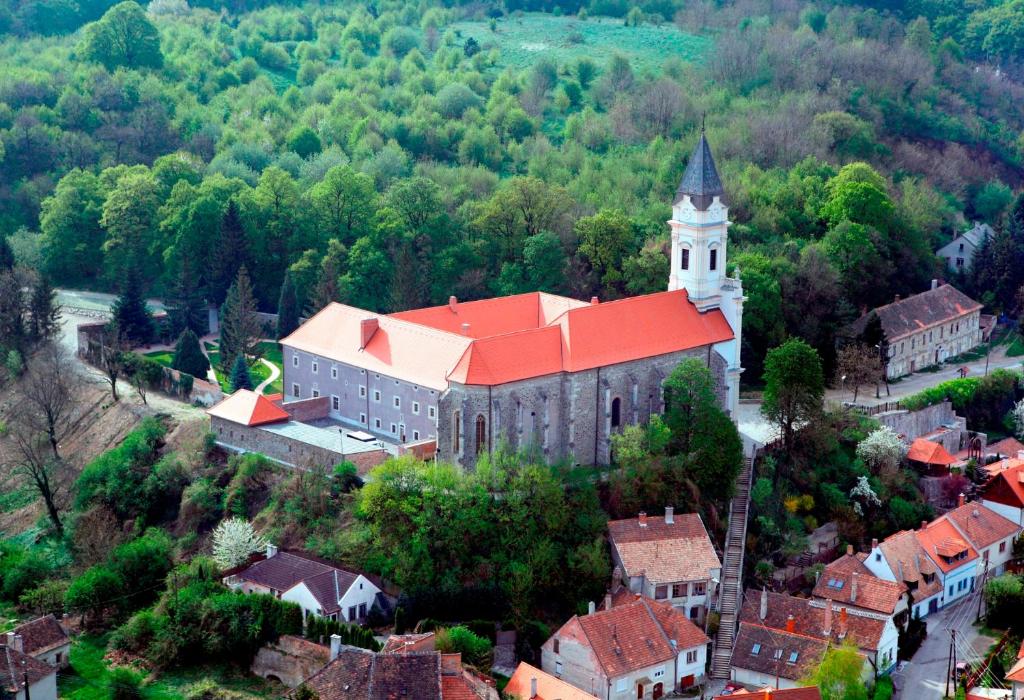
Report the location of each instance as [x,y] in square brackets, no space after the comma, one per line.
[657,623]
[781,630]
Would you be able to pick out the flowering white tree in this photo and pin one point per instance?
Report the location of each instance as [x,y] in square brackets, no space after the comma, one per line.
[862,494]
[882,450]
[1018,418]
[234,540]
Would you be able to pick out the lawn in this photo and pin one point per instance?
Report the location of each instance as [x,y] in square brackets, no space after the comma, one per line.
[1016,348]
[87,678]
[523,39]
[258,372]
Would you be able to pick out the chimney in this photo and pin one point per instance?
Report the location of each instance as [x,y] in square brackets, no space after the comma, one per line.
[452,303]
[763,612]
[896,299]
[924,524]
[790,624]
[935,284]
[14,641]
[961,499]
[849,550]
[643,519]
[595,301]
[465,329]
[65,623]
[827,624]
[669,515]
[842,623]
[608,601]
[874,543]
[591,608]
[1020,454]
[367,327]
[271,550]
[616,577]
[853,587]
[533,687]
[10,639]
[335,646]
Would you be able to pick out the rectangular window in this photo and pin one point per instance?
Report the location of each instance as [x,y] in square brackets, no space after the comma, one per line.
[691,657]
[334,372]
[778,653]
[295,390]
[700,588]
[1002,547]
[680,590]
[554,645]
[362,610]
[416,407]
[376,396]
[376,423]
[661,592]
[362,392]
[755,650]
[398,402]
[558,669]
[431,411]
[684,259]
[335,403]
[362,418]
[660,673]
[295,360]
[793,656]
[394,429]
[316,366]
[713,262]
[351,613]
[316,393]
[415,435]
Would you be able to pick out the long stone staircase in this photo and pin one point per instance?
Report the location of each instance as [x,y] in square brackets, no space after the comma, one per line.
[730,593]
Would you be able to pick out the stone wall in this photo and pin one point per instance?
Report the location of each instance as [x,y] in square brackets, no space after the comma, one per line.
[931,422]
[307,410]
[287,451]
[569,415]
[291,660]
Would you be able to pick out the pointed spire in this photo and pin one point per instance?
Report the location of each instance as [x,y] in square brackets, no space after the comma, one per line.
[700,181]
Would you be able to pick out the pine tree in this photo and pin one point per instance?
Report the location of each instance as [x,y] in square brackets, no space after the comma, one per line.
[6,254]
[231,255]
[240,378]
[240,328]
[44,314]
[130,312]
[326,289]
[186,308]
[287,308]
[188,355]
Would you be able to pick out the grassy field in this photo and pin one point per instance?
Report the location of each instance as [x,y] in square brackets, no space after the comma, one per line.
[523,39]
[88,677]
[259,372]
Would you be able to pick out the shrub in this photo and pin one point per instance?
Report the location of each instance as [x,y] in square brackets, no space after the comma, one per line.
[92,592]
[125,684]
[22,572]
[400,40]
[45,599]
[115,478]
[234,541]
[454,99]
[188,356]
[1004,598]
[475,650]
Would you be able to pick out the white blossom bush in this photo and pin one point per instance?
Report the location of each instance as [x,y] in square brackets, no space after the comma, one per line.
[1018,419]
[862,494]
[882,450]
[234,540]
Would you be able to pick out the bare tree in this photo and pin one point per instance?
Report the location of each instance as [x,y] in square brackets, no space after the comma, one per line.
[47,405]
[113,353]
[856,365]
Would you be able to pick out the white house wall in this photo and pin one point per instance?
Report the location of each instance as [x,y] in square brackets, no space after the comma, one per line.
[360,592]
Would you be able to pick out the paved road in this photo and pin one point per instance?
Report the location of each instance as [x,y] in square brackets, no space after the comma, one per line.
[924,676]
[96,301]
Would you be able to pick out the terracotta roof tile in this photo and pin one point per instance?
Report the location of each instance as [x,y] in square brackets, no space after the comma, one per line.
[457,688]
[980,525]
[872,593]
[358,674]
[909,563]
[548,687]
[862,628]
[636,635]
[1016,672]
[1007,485]
[1007,447]
[807,693]
[920,311]
[15,664]
[41,635]
[928,452]
[285,569]
[249,408]
[404,643]
[942,542]
[665,552]
[493,317]
[758,648]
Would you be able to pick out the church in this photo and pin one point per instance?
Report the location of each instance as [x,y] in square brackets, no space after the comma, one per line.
[533,370]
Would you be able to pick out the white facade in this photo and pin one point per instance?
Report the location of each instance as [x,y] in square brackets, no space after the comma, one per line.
[933,344]
[959,582]
[995,557]
[1014,515]
[698,264]
[43,689]
[355,602]
[687,669]
[879,566]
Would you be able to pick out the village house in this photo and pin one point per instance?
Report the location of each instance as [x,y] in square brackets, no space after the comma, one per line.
[901,558]
[44,638]
[17,668]
[847,581]
[956,558]
[298,434]
[669,558]
[643,649]
[1015,676]
[924,329]
[773,658]
[988,532]
[530,683]
[317,587]
[1004,491]
[959,253]
[875,634]
[358,674]
[772,693]
[532,369]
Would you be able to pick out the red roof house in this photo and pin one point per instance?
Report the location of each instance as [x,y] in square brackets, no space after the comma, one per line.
[246,407]
[931,454]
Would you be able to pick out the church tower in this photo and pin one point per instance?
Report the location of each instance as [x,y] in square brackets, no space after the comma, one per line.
[700,238]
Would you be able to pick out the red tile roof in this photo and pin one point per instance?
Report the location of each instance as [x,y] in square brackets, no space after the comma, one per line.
[770,651]
[15,664]
[635,635]
[941,541]
[1016,672]
[456,688]
[548,687]
[509,338]
[665,552]
[285,570]
[929,452]
[1007,486]
[1007,447]
[249,408]
[404,643]
[871,593]
[41,635]
[909,563]
[920,311]
[807,693]
[809,619]
[358,674]
[980,525]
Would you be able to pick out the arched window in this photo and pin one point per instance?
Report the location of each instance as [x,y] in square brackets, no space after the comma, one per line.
[713,259]
[616,412]
[684,259]
[481,434]
[456,429]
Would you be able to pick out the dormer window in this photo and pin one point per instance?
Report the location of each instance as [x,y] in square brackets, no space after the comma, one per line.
[793,656]
[755,650]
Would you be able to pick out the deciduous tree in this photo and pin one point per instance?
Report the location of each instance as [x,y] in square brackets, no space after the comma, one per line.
[123,37]
[794,387]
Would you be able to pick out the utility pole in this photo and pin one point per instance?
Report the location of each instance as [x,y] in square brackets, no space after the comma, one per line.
[27,696]
[981,590]
[949,665]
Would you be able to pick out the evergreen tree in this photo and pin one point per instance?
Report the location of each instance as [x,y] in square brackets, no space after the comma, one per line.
[240,328]
[188,355]
[6,254]
[240,378]
[130,312]
[44,314]
[326,289]
[287,308]
[186,308]
[230,256]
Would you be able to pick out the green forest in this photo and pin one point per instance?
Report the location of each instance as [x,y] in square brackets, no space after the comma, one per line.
[388,155]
